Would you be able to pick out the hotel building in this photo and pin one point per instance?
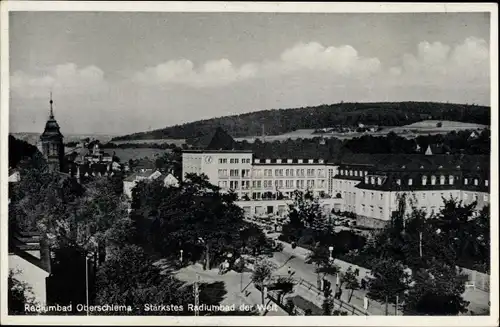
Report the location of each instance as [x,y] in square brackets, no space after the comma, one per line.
[366,185]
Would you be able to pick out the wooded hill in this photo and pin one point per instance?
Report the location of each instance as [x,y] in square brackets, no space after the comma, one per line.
[279,121]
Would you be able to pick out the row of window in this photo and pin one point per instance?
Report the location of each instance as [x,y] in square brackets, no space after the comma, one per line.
[355,173]
[278,184]
[234,160]
[289,172]
[433,179]
[245,173]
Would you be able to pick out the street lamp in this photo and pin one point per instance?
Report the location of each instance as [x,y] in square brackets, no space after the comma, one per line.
[87,257]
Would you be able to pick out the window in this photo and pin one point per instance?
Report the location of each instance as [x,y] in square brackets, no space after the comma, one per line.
[234,173]
[476,182]
[466,196]
[363,194]
[233,185]
[221,160]
[410,181]
[379,181]
[466,181]
[372,180]
[423,195]
[442,180]
[451,180]
[342,172]
[223,184]
[245,173]
[381,196]
[398,181]
[231,160]
[355,173]
[366,179]
[372,195]
[433,180]
[424,180]
[350,172]
[381,211]
[222,172]
[486,183]
[363,208]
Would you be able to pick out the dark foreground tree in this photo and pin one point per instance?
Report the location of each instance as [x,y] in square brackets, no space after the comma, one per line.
[131,278]
[20,294]
[437,291]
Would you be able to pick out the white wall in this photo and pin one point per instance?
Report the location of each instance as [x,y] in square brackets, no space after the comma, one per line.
[32,275]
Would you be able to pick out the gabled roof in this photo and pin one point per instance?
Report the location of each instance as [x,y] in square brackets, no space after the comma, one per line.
[218,140]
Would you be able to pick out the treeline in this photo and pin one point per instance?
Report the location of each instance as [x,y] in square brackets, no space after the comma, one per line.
[19,150]
[279,121]
[164,146]
[331,148]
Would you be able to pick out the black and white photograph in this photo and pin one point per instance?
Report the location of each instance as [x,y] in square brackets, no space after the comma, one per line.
[190,162]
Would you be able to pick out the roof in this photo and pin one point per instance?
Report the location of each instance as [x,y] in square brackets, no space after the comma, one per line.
[143,173]
[218,140]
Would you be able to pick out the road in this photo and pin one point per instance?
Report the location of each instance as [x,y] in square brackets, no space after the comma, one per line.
[306,271]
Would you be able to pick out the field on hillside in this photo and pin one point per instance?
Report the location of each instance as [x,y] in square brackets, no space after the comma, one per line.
[126,154]
[177,142]
[425,127]
[431,126]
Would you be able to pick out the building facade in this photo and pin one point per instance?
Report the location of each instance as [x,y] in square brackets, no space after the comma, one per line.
[370,189]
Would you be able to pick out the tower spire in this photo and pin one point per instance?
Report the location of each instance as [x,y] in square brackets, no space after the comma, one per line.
[51,109]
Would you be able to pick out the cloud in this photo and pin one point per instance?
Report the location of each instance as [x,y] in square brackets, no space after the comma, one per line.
[343,60]
[210,74]
[66,79]
[436,63]
[311,57]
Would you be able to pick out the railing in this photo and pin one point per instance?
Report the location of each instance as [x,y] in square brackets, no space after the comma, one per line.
[354,310]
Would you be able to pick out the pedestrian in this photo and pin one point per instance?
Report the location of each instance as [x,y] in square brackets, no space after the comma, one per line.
[363,284]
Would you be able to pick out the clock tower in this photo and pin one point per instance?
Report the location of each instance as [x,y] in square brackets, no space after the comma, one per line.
[51,142]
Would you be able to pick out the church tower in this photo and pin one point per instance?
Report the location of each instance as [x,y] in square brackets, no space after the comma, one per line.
[52,142]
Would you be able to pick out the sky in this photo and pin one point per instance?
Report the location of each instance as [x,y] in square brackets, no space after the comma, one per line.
[119,72]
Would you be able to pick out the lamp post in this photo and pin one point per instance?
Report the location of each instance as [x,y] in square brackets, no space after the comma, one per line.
[87,282]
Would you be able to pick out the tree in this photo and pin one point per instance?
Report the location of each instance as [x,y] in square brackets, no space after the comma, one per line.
[389,279]
[262,273]
[351,281]
[131,278]
[320,256]
[195,217]
[20,294]
[327,306]
[436,291]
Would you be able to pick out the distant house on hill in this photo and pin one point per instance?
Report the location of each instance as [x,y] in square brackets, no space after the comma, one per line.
[144,175]
[218,140]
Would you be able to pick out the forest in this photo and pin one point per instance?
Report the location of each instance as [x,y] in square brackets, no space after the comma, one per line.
[279,121]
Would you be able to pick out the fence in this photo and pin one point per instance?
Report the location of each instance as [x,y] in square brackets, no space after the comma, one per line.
[338,303]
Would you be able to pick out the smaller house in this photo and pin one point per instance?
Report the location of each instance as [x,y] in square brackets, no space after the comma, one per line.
[147,174]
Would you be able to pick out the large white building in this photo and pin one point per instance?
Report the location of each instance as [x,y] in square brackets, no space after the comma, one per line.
[368,186]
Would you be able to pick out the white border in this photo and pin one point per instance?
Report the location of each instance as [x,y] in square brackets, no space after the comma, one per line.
[313,7]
